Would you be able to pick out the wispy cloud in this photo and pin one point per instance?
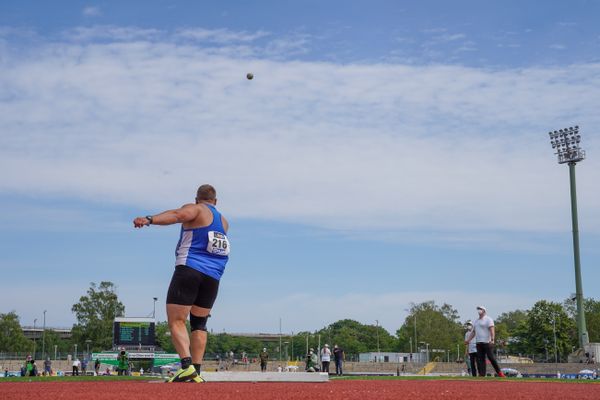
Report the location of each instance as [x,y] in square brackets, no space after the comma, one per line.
[557,46]
[220,36]
[91,11]
[442,148]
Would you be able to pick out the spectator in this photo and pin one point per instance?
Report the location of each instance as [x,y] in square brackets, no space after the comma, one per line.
[325,358]
[485,336]
[84,364]
[311,361]
[48,366]
[470,350]
[76,365]
[97,366]
[338,357]
[264,358]
[123,365]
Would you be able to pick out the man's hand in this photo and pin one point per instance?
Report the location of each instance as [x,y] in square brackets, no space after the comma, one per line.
[140,222]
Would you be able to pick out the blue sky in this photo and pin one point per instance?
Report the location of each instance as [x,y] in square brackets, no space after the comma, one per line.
[385,153]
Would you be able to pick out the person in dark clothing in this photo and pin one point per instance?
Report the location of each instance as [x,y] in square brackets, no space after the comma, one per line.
[264,358]
[338,357]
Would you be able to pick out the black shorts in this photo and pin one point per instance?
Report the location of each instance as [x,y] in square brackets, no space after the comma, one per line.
[190,287]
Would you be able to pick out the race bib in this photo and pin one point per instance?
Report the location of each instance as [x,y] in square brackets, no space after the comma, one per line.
[217,244]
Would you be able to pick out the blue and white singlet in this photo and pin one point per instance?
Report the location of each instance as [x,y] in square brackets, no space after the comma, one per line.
[204,249]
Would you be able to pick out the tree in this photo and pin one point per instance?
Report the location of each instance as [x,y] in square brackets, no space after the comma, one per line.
[591,308]
[355,337]
[53,339]
[439,327]
[12,338]
[95,314]
[542,320]
[511,329]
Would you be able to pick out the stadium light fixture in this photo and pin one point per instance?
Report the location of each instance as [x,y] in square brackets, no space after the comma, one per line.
[566,143]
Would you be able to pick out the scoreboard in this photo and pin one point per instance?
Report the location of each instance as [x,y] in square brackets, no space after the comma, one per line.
[133,332]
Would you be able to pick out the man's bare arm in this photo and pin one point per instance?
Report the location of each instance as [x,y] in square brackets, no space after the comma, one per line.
[492,334]
[184,214]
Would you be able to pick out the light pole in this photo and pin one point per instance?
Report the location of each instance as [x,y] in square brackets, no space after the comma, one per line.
[87,342]
[566,143]
[44,337]
[377,333]
[34,334]
[554,331]
[154,308]
[75,351]
[415,326]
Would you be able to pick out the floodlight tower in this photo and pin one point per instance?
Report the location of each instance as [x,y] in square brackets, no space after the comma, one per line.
[566,143]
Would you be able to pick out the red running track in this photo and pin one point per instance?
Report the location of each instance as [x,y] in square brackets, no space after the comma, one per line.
[335,390]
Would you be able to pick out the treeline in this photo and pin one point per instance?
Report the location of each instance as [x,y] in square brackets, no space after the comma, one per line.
[529,333]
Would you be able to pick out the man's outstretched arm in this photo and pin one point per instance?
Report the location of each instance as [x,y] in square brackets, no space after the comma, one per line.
[184,214]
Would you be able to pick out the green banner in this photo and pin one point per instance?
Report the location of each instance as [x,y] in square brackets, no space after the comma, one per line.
[160,359]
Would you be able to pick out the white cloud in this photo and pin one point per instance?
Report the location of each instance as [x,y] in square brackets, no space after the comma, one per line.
[219,35]
[557,46]
[372,146]
[92,11]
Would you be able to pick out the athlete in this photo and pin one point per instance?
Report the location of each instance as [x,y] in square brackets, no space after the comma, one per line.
[201,256]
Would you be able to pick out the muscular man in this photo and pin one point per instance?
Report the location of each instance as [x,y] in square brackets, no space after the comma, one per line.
[201,256]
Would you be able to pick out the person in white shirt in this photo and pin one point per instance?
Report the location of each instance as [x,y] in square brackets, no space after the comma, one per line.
[325,358]
[471,350]
[485,336]
[76,365]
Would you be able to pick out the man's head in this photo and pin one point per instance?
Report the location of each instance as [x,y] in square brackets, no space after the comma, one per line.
[469,325]
[265,349]
[206,194]
[481,311]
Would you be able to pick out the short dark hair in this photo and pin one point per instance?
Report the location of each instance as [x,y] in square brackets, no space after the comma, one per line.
[206,193]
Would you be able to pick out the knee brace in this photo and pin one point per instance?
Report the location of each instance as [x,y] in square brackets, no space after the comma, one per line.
[198,323]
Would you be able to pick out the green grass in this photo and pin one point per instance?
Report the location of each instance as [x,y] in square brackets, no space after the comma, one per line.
[458,378]
[78,378]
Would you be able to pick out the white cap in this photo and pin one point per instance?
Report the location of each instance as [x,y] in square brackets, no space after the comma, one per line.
[326,345]
[482,308]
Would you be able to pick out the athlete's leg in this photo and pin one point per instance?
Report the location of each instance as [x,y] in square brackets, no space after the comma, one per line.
[177,315]
[199,336]
[208,289]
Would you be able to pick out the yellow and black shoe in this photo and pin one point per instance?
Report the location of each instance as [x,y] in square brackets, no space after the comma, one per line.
[196,379]
[184,375]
